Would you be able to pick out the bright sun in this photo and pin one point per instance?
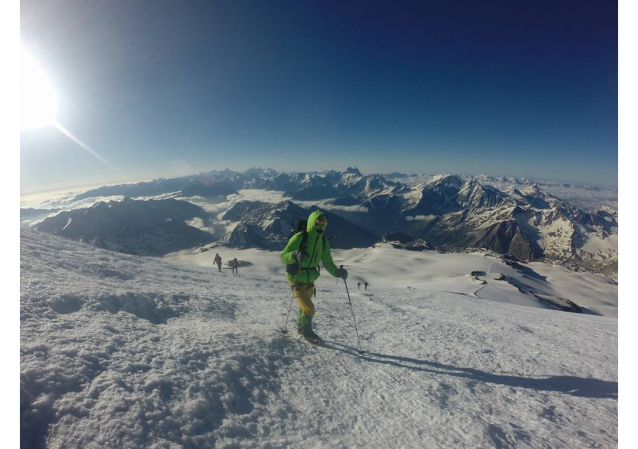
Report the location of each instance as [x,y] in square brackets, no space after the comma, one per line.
[39,106]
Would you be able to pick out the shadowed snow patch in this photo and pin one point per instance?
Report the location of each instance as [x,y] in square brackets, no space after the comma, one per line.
[142,305]
[66,303]
[106,271]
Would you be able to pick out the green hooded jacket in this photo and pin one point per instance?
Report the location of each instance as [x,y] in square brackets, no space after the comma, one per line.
[317,249]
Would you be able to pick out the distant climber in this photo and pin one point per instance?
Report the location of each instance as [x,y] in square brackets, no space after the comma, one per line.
[303,253]
[358,285]
[235,265]
[218,261]
[365,284]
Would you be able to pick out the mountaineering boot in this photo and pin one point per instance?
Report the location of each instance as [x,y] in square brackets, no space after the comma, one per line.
[304,328]
[302,323]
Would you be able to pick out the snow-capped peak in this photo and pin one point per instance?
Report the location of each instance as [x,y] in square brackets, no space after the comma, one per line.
[446,180]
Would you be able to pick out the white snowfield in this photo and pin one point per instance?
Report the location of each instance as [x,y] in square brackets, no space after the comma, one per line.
[125,352]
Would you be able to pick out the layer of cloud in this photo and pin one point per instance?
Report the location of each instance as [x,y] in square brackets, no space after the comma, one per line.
[421,218]
[361,209]
[584,198]
[217,229]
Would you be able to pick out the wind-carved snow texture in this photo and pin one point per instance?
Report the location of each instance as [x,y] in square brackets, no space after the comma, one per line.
[128,351]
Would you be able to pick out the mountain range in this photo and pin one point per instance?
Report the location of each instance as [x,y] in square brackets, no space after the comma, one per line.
[145,228]
[448,212]
[268,226]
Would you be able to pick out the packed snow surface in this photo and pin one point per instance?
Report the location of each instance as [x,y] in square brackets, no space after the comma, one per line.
[127,351]
[391,268]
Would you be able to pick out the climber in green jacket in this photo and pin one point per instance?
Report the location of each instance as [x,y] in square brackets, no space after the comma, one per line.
[302,256]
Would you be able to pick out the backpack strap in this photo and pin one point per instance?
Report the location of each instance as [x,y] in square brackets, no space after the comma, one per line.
[304,241]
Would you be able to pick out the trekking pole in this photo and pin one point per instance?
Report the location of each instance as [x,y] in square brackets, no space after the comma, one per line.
[283,329]
[361,351]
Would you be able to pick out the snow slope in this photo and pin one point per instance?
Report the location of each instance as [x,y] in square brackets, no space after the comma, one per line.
[128,351]
[431,271]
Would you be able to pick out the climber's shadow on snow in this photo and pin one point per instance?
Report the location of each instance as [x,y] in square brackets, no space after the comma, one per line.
[576,386]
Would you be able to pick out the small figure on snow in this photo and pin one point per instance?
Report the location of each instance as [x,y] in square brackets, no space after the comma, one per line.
[365,284]
[218,261]
[358,285]
[235,265]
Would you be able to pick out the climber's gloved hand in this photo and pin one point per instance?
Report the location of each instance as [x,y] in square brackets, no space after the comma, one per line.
[342,273]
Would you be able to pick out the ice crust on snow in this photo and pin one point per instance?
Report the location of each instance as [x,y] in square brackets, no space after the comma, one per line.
[130,351]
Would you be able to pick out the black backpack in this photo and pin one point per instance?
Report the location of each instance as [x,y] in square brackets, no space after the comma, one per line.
[300,226]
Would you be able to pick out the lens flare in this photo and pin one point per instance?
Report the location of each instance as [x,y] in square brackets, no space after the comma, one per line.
[39,102]
[39,107]
[89,150]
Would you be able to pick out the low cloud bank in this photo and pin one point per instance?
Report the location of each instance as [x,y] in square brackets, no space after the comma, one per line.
[421,218]
[361,209]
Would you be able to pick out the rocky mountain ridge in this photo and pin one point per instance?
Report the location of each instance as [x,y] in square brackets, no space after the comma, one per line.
[268,226]
[446,212]
[146,228]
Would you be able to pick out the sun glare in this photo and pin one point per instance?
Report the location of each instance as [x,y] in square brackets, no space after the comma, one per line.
[39,105]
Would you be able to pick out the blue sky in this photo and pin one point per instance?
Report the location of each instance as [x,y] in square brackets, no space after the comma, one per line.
[162,88]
